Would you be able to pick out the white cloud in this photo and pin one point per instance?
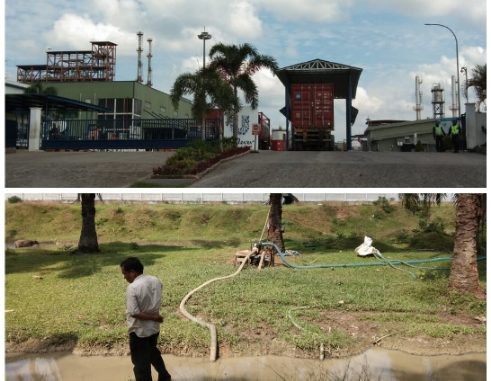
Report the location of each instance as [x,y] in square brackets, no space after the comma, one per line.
[66,33]
[243,21]
[366,103]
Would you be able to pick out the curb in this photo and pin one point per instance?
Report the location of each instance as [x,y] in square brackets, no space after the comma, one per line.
[191,178]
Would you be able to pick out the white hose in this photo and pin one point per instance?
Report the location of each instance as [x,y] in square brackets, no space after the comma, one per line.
[210,326]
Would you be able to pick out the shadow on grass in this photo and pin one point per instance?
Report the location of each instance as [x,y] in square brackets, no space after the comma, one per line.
[76,265]
[61,342]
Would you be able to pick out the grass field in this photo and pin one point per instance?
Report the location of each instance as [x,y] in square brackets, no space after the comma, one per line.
[55,297]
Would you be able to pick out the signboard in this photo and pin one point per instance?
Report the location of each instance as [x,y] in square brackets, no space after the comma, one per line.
[256,128]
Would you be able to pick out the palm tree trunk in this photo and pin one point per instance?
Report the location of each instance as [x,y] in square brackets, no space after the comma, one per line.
[88,237]
[464,276]
[203,127]
[275,231]
[235,127]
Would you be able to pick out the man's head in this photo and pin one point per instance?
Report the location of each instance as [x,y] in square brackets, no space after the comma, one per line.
[131,267]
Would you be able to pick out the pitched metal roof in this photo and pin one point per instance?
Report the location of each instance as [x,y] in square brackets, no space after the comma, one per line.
[321,71]
[24,101]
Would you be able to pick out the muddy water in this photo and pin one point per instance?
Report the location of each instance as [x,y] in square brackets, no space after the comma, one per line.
[375,364]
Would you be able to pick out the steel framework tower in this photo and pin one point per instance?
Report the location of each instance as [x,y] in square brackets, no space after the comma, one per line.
[97,64]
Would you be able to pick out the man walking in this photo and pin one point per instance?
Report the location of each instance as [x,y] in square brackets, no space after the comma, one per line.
[143,299]
[455,134]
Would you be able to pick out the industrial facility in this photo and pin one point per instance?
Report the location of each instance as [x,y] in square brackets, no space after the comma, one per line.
[83,107]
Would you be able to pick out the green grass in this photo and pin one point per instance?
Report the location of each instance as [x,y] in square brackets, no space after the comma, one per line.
[61,296]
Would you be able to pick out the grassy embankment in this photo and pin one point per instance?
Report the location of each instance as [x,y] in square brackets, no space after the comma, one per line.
[54,297]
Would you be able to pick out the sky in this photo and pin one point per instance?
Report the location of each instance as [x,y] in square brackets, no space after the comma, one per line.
[386,38]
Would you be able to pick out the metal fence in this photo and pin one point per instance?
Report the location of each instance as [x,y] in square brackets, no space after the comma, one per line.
[125,132]
[206,197]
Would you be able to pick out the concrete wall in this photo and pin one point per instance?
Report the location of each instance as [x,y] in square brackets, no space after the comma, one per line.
[475,123]
[390,137]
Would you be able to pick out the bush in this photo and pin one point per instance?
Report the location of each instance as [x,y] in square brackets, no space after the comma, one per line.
[196,158]
[14,200]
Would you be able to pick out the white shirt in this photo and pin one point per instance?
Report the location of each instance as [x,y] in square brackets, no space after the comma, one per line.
[143,295]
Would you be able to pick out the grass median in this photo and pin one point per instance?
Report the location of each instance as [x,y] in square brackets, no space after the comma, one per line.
[58,299]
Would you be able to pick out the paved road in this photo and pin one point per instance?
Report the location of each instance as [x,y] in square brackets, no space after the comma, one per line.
[273,169]
[267,169]
[79,169]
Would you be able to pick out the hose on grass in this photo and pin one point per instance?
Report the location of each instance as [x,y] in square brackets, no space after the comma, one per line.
[290,316]
[382,261]
[210,326]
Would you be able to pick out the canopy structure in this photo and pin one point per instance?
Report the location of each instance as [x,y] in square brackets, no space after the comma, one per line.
[25,101]
[345,79]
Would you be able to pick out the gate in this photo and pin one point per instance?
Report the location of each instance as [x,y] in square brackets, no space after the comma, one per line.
[76,134]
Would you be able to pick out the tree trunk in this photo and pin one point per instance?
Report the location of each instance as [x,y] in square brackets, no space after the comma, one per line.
[464,276]
[275,231]
[235,126]
[88,236]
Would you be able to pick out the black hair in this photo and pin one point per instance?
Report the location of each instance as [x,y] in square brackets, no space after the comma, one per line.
[132,264]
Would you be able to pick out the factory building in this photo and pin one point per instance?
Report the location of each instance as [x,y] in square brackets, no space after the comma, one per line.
[124,114]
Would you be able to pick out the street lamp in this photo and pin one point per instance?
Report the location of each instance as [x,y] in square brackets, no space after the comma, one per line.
[204,36]
[457,54]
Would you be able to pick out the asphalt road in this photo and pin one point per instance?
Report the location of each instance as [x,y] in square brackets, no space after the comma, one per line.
[267,169]
[79,169]
[354,169]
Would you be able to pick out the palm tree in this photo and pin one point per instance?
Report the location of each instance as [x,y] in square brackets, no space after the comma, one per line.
[209,91]
[236,65]
[275,230]
[88,236]
[420,203]
[478,81]
[469,212]
[464,276]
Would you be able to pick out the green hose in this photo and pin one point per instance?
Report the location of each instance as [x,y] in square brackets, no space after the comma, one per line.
[382,261]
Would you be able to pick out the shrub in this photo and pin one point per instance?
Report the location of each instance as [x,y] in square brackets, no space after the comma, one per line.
[196,158]
[14,200]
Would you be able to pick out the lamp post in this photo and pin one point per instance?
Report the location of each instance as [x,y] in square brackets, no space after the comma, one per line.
[457,55]
[204,36]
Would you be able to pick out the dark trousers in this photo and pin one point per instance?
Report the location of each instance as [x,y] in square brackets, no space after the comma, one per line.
[456,143]
[439,143]
[144,353]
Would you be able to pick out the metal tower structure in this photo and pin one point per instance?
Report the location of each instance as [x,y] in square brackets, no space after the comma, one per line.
[149,56]
[139,73]
[97,64]
[437,101]
[419,97]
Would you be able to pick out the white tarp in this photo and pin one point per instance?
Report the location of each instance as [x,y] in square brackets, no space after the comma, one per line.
[366,249]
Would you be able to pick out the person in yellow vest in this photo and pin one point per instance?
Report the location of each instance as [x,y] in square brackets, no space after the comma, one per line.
[438,135]
[455,134]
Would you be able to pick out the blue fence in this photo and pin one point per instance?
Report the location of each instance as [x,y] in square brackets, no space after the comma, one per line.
[125,133]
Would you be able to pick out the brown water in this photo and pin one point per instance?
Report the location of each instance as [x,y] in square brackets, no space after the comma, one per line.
[374,364]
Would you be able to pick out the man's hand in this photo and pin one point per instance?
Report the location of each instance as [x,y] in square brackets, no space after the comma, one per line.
[149,316]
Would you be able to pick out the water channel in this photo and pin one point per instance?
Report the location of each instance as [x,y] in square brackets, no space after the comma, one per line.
[374,364]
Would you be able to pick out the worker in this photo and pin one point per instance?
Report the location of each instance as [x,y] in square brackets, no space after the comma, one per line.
[455,134]
[438,135]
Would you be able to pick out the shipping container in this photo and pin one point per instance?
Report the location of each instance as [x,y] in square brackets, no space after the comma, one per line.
[312,115]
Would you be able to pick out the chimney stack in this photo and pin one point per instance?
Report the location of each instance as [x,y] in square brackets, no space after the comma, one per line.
[149,56]
[139,74]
